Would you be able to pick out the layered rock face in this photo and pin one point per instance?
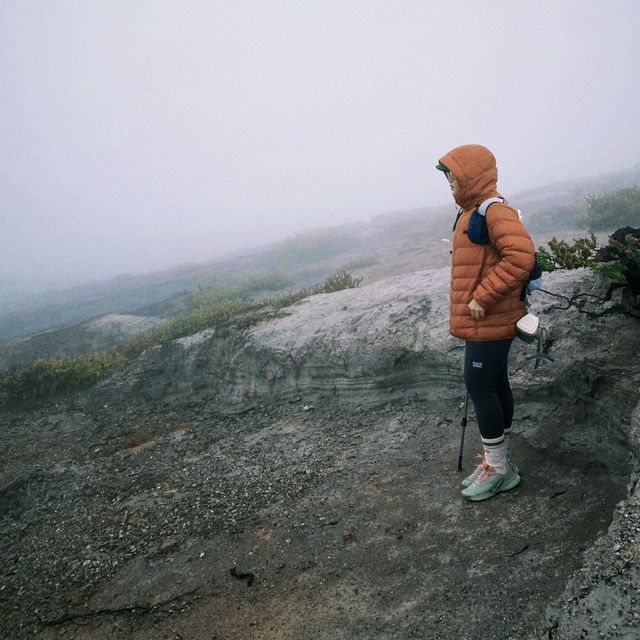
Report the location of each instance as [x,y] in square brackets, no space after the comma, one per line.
[362,345]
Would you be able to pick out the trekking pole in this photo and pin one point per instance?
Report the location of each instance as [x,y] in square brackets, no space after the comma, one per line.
[464,426]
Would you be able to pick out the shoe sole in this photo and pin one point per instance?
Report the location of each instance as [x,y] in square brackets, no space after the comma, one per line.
[512,484]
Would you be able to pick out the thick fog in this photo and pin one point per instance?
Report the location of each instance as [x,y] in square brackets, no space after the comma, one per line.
[139,135]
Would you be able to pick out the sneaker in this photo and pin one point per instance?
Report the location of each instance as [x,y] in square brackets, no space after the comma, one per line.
[489,482]
[470,479]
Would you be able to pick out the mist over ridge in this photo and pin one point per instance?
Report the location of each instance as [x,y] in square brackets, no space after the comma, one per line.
[388,244]
[137,136]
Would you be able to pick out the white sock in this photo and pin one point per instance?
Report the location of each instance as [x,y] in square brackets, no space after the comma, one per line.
[496,456]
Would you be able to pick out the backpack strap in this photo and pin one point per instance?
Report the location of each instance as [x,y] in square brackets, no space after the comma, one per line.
[460,212]
[482,209]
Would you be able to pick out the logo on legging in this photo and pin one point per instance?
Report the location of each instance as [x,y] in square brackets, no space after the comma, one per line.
[476,365]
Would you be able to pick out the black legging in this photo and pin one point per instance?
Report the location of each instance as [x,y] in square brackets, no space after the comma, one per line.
[487,379]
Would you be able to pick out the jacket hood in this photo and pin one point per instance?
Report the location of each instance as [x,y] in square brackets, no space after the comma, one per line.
[475,170]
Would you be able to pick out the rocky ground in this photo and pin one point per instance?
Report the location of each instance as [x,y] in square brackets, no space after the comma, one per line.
[316,516]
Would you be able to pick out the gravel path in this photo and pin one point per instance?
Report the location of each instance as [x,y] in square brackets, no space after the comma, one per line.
[287,522]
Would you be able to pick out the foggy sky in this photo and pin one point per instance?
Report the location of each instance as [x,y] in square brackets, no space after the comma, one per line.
[139,134]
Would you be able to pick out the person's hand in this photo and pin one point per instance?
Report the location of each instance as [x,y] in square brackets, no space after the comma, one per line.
[477,312]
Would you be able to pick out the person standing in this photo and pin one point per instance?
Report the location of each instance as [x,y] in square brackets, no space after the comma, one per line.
[492,258]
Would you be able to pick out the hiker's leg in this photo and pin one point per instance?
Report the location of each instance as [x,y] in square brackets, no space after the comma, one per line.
[484,374]
[506,400]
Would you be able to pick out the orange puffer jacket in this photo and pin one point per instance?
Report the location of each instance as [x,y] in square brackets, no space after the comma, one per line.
[492,274]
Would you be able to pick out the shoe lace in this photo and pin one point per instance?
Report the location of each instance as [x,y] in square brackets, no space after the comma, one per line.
[481,462]
[487,471]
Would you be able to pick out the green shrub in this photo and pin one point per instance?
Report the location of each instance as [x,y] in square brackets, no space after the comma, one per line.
[341,280]
[614,209]
[198,320]
[44,378]
[625,256]
[568,256]
[239,293]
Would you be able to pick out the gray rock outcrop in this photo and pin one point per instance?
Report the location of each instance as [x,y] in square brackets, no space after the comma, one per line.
[364,345]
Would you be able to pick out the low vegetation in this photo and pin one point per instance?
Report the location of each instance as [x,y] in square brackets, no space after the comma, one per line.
[246,292]
[603,212]
[214,316]
[613,262]
[618,262]
[611,210]
[341,280]
[212,308]
[44,378]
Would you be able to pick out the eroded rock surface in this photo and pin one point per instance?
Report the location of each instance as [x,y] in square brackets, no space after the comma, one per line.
[298,480]
[362,345]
